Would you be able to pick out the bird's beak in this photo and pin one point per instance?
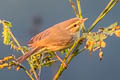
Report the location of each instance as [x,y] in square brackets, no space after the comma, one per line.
[83,20]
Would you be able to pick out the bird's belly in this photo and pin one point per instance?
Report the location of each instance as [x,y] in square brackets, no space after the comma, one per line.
[58,48]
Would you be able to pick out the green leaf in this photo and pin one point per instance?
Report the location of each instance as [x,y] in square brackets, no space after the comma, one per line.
[64,51]
[109,30]
[7,23]
[113,25]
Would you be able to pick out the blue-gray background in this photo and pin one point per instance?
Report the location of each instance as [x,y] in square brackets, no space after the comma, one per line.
[32,16]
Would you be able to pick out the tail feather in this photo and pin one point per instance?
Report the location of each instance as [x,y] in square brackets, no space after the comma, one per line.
[26,55]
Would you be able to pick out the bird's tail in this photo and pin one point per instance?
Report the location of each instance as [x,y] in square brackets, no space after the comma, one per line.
[27,54]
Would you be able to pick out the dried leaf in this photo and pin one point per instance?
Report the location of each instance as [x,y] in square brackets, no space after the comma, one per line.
[100,55]
[117,33]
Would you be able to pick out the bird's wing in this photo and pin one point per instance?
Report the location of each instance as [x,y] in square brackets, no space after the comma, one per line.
[58,37]
[51,37]
[38,37]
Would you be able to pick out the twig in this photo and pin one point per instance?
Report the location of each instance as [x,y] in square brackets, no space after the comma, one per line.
[17,43]
[62,68]
[74,8]
[21,49]
[110,5]
[15,40]
[27,72]
[74,45]
[41,59]
[68,59]
[80,15]
[21,66]
[34,72]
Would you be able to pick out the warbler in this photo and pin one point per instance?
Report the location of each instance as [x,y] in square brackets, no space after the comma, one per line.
[58,37]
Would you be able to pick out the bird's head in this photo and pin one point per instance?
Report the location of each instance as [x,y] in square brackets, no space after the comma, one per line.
[74,24]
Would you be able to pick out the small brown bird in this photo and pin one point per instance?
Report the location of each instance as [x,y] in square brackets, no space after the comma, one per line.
[55,38]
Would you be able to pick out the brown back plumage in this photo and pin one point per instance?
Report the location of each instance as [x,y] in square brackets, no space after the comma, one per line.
[48,38]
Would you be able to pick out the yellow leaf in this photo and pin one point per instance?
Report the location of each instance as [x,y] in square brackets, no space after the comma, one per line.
[102,44]
[90,46]
[18,68]
[3,65]
[7,58]
[6,36]
[117,33]
[7,23]
[100,55]
[117,27]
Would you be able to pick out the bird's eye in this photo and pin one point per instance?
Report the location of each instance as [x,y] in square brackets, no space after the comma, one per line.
[75,25]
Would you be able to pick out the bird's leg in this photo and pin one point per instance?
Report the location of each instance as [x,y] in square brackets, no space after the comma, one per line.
[65,65]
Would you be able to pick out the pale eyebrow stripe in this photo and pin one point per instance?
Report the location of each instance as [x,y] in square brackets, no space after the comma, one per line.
[77,22]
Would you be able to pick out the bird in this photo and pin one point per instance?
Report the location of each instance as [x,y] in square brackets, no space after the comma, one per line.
[58,37]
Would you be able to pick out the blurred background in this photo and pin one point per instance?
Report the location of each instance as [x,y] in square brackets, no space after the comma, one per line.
[30,17]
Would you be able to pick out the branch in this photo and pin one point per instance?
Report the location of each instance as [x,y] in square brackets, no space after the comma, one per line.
[76,45]
[67,59]
[110,5]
